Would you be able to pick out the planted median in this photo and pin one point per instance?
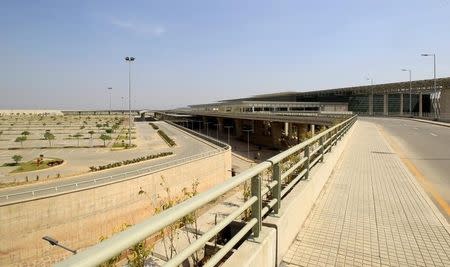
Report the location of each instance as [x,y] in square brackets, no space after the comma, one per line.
[128,161]
[166,138]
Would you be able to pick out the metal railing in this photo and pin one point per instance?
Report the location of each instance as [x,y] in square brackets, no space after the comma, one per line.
[108,179]
[284,171]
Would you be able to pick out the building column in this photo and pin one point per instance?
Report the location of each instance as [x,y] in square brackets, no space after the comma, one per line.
[313,129]
[220,121]
[385,105]
[301,128]
[401,104]
[286,128]
[371,104]
[420,104]
[276,128]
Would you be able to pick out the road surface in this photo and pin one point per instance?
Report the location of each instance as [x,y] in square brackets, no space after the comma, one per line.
[186,146]
[427,147]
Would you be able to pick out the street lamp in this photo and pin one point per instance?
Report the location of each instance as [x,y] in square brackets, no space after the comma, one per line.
[228,129]
[109,90]
[129,60]
[248,141]
[368,78]
[434,74]
[55,242]
[410,88]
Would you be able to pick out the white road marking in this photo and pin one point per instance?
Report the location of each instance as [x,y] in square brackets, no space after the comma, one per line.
[433,134]
[415,128]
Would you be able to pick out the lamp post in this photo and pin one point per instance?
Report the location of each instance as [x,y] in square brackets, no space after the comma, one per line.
[55,242]
[248,141]
[122,103]
[228,129]
[434,78]
[410,89]
[217,134]
[129,60]
[368,78]
[109,90]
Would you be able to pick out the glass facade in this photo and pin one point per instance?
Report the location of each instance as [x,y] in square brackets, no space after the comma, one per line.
[359,104]
[394,104]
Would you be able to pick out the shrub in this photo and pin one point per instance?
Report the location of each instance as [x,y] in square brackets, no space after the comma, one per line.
[154,126]
[166,138]
[128,161]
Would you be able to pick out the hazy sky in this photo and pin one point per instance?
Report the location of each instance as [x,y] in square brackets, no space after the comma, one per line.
[65,54]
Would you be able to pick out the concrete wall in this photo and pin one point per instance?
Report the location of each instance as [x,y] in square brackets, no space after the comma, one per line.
[445,105]
[78,219]
[295,208]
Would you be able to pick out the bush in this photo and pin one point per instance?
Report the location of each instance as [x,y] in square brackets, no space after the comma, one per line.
[166,138]
[128,161]
[154,126]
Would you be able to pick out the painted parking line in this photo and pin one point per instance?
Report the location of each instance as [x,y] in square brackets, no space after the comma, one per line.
[433,134]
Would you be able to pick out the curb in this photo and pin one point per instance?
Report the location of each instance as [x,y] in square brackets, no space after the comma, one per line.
[431,122]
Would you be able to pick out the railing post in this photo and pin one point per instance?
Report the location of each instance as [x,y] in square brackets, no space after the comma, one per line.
[307,161]
[257,206]
[276,191]
[321,148]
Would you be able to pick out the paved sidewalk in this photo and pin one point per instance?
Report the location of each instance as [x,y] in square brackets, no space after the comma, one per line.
[372,212]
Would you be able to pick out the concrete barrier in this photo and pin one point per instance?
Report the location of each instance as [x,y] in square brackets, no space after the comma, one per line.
[295,208]
[79,219]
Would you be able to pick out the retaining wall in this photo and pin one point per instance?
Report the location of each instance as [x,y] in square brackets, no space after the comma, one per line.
[79,219]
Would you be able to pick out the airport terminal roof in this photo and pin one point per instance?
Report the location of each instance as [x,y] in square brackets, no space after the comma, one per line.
[418,85]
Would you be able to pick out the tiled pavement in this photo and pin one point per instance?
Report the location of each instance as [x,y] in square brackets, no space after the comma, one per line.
[372,212]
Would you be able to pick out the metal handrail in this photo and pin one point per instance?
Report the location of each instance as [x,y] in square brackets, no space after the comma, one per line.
[119,242]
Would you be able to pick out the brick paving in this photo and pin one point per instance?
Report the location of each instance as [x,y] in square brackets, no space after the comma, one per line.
[372,212]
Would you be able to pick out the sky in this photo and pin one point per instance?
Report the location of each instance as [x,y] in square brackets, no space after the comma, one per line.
[65,54]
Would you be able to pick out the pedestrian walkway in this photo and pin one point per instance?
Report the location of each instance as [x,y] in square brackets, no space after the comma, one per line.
[372,212]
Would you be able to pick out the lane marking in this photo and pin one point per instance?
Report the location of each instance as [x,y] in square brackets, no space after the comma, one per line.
[424,182]
[433,134]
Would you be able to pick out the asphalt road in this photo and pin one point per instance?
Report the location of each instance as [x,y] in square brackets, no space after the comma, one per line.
[427,146]
[186,146]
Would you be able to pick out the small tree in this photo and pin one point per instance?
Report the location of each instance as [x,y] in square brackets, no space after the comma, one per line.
[49,136]
[21,139]
[105,137]
[17,158]
[91,133]
[26,133]
[77,136]
[109,131]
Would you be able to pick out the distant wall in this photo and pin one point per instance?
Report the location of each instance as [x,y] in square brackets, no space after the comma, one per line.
[78,219]
[29,111]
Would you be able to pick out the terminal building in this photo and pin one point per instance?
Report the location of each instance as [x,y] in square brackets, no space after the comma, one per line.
[418,98]
[282,119]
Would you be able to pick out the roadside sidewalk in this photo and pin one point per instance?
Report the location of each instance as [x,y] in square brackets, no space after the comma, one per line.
[372,212]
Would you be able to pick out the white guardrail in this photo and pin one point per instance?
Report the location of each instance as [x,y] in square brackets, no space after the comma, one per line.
[27,195]
[283,171]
